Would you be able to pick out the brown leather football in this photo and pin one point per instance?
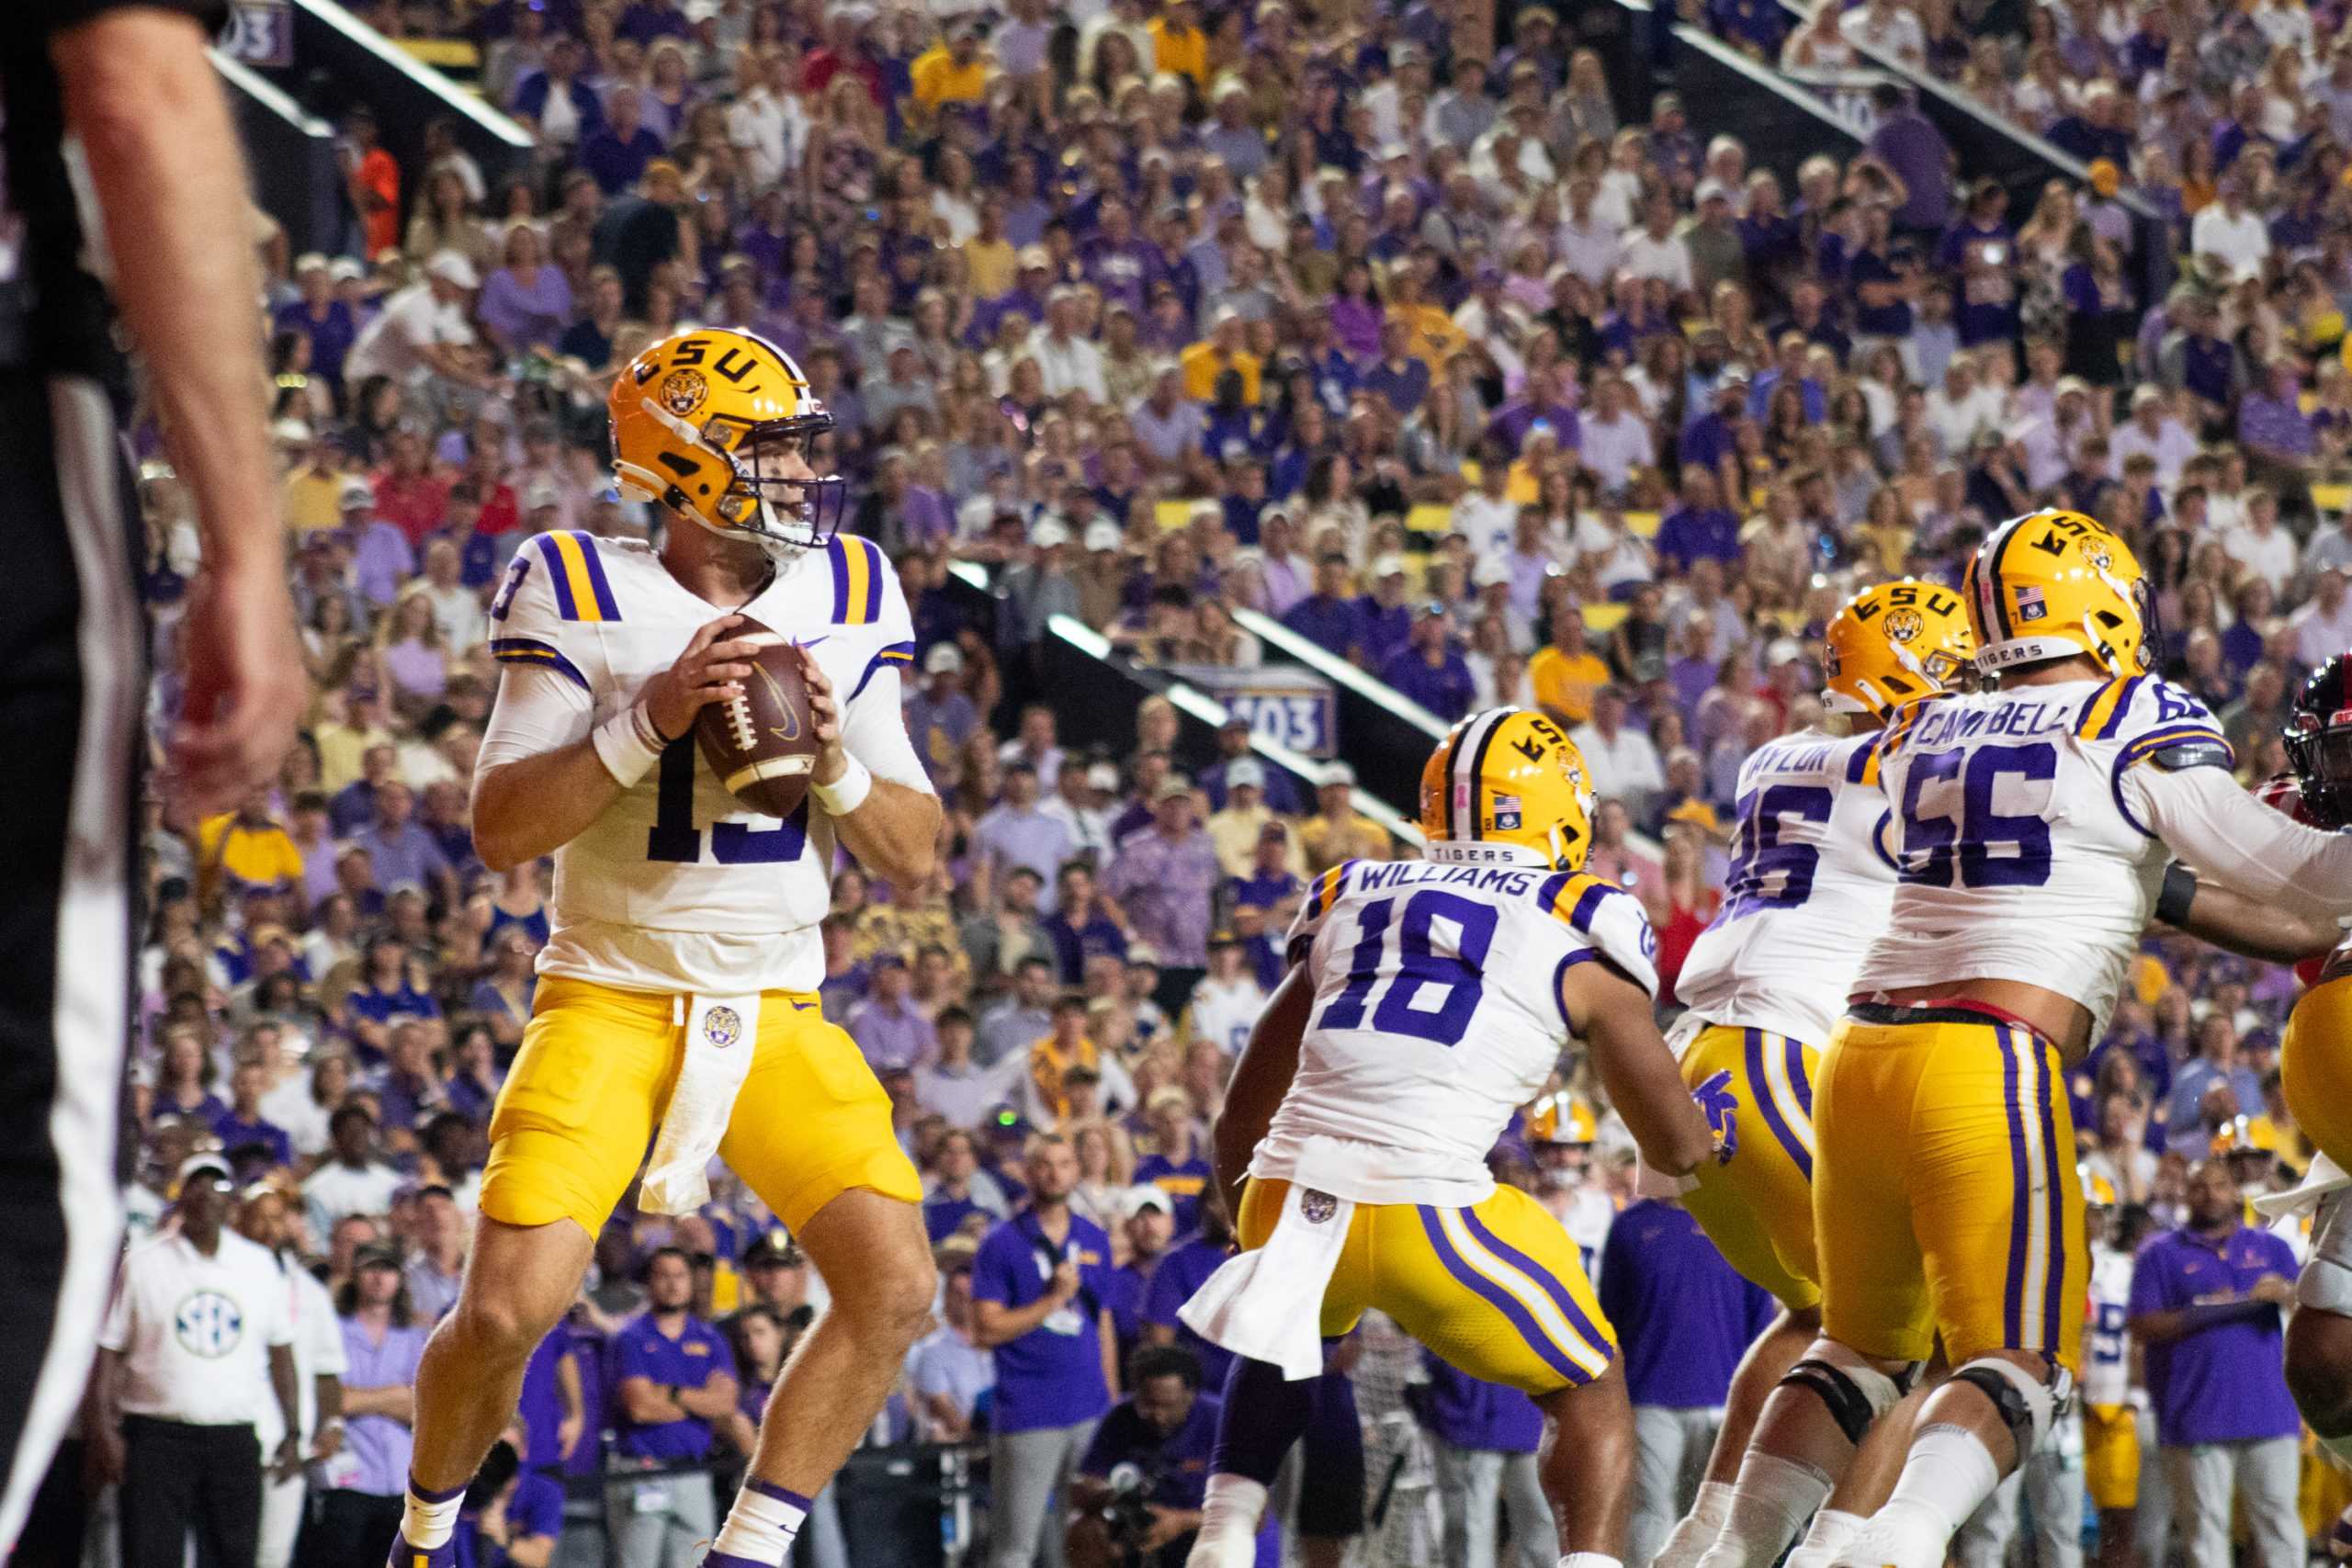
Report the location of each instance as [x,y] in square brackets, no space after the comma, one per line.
[763,744]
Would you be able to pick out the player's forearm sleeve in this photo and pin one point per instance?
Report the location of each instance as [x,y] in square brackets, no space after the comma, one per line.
[538,710]
[2227,836]
[873,730]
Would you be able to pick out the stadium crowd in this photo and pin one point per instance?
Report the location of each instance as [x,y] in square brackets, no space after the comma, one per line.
[1171,316]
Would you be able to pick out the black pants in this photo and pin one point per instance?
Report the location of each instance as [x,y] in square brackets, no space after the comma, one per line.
[71,674]
[179,1479]
[349,1528]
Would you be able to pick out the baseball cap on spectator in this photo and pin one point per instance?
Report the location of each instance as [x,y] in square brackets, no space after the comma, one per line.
[1172,786]
[1490,570]
[945,658]
[1245,772]
[355,491]
[452,268]
[197,1165]
[1711,190]
[311,260]
[375,1255]
[2146,393]
[1102,535]
[541,495]
[292,431]
[1388,566]
[345,269]
[1339,774]
[1035,258]
[1138,1199]
[771,1247]
[1049,534]
[1102,777]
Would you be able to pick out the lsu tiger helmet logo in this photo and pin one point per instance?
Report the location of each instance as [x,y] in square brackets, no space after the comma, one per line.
[1511,777]
[720,426]
[2053,584]
[1893,645]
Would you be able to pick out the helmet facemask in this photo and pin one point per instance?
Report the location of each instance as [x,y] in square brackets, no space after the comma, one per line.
[2320,754]
[781,513]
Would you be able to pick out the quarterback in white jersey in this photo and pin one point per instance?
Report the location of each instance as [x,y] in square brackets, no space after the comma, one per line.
[1426,1002]
[1812,871]
[678,990]
[2033,828]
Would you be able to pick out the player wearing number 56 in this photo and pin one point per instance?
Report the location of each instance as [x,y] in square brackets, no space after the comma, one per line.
[678,994]
[2030,828]
[1428,1000]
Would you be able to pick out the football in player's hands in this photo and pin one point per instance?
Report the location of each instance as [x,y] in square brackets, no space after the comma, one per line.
[763,743]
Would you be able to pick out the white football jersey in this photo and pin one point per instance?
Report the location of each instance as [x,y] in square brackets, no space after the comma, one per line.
[2018,854]
[1437,1015]
[677,887]
[1224,1014]
[2107,1365]
[1811,870]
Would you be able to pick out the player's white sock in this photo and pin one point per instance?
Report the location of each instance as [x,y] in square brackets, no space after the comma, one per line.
[1697,1530]
[760,1527]
[1231,1512]
[1946,1478]
[429,1518]
[1832,1529]
[1771,1503]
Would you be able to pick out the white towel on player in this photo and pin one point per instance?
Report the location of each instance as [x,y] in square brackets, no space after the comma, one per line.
[721,1031]
[2324,1178]
[1267,1303]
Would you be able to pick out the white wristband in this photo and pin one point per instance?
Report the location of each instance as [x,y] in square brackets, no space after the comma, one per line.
[845,794]
[627,745]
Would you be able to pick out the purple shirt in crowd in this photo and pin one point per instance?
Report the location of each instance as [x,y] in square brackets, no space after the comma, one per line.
[1683,1316]
[2223,1383]
[1051,1376]
[1469,1414]
[1165,886]
[641,1350]
[378,1443]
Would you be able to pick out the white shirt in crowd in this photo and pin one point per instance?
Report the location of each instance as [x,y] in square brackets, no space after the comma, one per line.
[2172,445]
[1668,258]
[770,130]
[2319,635]
[1624,767]
[410,321]
[318,1352]
[1614,448]
[2240,243]
[194,1333]
[334,1189]
[2270,555]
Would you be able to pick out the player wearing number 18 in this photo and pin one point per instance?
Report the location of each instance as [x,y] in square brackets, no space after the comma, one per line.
[678,990]
[2032,829]
[1425,1002]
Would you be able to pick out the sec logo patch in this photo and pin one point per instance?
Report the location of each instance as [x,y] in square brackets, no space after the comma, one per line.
[209,1323]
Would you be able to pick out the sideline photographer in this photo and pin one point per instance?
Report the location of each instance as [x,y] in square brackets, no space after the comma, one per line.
[1136,1500]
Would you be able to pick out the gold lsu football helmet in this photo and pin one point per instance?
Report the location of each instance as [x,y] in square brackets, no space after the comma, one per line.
[1893,645]
[2053,584]
[721,425]
[1510,777]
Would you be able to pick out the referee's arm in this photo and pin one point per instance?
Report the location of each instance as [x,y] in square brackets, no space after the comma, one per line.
[170,181]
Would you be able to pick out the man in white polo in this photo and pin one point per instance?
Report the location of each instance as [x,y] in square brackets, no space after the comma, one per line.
[197,1343]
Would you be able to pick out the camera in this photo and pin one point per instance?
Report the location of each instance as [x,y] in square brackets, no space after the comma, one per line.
[1126,1512]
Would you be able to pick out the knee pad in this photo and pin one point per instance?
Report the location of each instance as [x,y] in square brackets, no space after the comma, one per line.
[2029,1405]
[1855,1392]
